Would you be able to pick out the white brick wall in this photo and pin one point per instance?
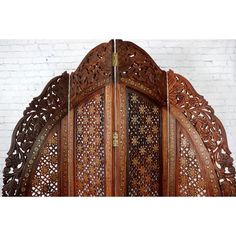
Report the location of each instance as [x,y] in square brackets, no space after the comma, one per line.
[27,65]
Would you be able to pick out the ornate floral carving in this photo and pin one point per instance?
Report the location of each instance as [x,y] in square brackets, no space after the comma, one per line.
[93,72]
[201,115]
[51,104]
[137,69]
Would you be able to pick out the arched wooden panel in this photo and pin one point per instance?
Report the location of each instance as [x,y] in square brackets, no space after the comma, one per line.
[198,114]
[136,71]
[91,148]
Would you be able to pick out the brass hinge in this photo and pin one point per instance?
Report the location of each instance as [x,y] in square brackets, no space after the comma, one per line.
[115,59]
[115,139]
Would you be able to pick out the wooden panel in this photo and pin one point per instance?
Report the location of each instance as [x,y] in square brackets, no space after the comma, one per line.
[172,155]
[108,141]
[202,154]
[122,147]
[45,176]
[164,143]
[190,177]
[144,164]
[71,153]
[89,147]
[64,157]
[201,116]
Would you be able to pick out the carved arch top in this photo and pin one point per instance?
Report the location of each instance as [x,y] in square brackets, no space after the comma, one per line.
[137,69]
[93,72]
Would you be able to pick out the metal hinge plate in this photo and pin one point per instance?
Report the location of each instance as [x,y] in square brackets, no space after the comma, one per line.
[115,139]
[115,59]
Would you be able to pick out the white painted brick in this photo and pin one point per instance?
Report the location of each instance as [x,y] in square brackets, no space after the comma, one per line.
[46,47]
[4,48]
[4,74]
[17,48]
[31,47]
[25,60]
[27,65]
[10,60]
[9,67]
[61,46]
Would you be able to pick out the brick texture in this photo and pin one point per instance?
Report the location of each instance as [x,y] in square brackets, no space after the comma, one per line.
[27,65]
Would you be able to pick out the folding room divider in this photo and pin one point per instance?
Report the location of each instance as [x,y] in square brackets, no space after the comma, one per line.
[119,126]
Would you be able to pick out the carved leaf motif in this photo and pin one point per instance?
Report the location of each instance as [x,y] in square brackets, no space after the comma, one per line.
[20,137]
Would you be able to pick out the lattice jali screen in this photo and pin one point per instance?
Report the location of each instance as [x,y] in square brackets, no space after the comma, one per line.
[45,179]
[90,153]
[190,177]
[144,152]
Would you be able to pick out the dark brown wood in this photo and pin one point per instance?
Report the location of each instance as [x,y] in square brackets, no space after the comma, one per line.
[123,127]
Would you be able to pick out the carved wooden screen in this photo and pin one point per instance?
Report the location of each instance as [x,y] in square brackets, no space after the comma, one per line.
[119,126]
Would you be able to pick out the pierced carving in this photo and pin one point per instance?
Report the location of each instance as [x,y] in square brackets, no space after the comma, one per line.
[137,69]
[90,153]
[49,106]
[93,73]
[201,115]
[45,179]
[191,181]
[144,154]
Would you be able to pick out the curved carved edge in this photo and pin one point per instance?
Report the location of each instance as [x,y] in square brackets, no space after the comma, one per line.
[93,72]
[33,157]
[49,104]
[201,115]
[203,157]
[137,69]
